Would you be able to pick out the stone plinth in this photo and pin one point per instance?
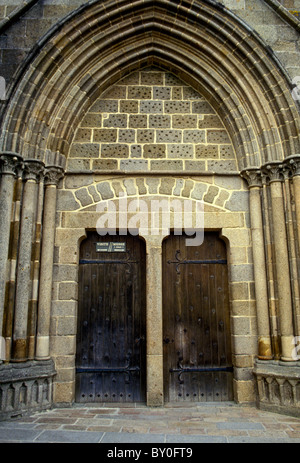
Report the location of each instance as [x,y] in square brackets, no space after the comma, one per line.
[25,388]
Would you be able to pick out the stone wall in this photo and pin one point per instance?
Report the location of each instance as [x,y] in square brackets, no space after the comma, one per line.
[22,35]
[152,121]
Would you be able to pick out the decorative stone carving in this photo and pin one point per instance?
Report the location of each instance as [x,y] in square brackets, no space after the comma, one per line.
[278,387]
[10,163]
[33,170]
[25,388]
[53,174]
[273,171]
[253,177]
[294,163]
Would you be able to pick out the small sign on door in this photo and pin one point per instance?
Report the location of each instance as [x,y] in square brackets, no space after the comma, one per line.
[110,247]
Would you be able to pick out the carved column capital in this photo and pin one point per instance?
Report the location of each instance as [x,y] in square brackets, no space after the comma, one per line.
[273,171]
[53,174]
[294,163]
[10,163]
[33,170]
[253,176]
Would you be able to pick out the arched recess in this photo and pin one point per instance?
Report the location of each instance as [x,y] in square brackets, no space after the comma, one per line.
[203,43]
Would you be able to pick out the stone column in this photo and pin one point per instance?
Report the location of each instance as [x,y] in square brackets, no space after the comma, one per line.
[52,176]
[253,177]
[274,172]
[9,165]
[294,162]
[32,173]
[155,392]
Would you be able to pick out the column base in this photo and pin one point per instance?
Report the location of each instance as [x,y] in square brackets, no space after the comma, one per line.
[278,386]
[25,388]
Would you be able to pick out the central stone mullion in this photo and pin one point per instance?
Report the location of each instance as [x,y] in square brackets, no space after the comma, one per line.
[154,321]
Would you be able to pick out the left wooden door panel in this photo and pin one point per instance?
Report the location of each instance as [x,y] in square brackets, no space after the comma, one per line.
[111,345]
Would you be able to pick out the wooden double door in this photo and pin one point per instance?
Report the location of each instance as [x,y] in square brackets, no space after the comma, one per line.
[111,334]
[196,322]
[111,344]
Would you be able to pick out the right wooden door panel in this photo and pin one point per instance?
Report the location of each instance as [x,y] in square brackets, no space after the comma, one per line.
[196,321]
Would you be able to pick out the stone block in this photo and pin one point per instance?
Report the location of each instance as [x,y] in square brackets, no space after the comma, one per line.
[135,151]
[126,136]
[166,165]
[66,201]
[130,187]
[116,92]
[84,150]
[217,136]
[138,121]
[161,93]
[172,107]
[207,151]
[176,93]
[91,120]
[83,196]
[180,151]
[68,291]
[195,166]
[129,106]
[77,181]
[243,272]
[227,152]
[190,93]
[105,190]
[166,186]
[168,136]
[105,106]
[211,194]
[193,136]
[184,122]
[151,106]
[153,184]
[145,136]
[222,166]
[105,135]
[115,120]
[239,201]
[154,151]
[139,92]
[134,165]
[152,78]
[202,107]
[114,150]
[105,164]
[210,122]
[140,182]
[83,135]
[131,79]
[159,121]
[171,79]
[199,190]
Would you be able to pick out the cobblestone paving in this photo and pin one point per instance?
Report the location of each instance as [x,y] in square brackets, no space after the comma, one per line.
[197,423]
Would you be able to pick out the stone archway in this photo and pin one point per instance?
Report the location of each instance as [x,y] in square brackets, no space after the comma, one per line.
[214,53]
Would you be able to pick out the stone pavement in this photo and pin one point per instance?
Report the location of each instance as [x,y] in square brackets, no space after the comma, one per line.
[192,423]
